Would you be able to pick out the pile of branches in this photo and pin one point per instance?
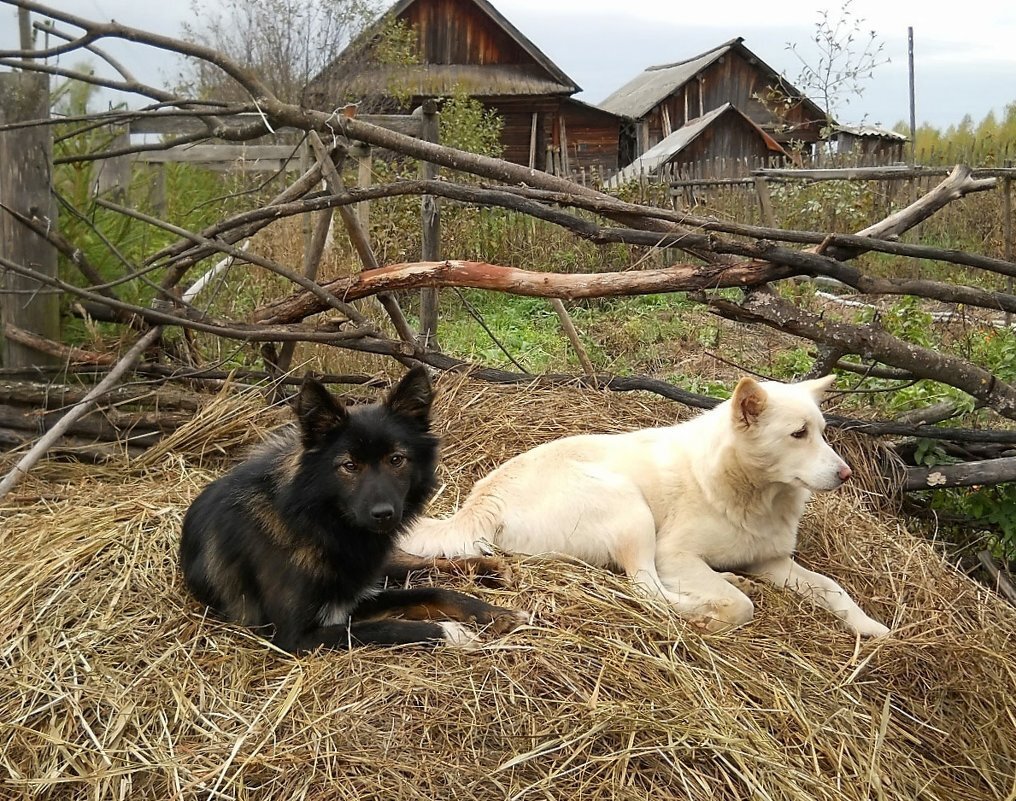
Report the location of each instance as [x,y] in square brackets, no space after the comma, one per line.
[721,255]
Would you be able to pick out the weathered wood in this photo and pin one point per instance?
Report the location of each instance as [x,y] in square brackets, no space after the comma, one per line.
[1003,583]
[79,449]
[965,474]
[162,122]
[52,396]
[532,140]
[57,350]
[47,440]
[18,418]
[212,154]
[430,223]
[481,275]
[364,178]
[25,165]
[765,201]
[1007,237]
[568,326]
[333,180]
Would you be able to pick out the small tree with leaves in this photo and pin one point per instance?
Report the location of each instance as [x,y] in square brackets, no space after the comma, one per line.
[845,56]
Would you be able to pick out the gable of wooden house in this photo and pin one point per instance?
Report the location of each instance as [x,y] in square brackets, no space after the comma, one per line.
[468,46]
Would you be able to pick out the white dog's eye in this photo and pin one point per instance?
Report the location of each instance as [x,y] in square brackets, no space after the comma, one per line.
[801,433]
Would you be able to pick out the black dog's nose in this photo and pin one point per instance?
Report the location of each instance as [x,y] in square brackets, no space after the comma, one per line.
[383,512]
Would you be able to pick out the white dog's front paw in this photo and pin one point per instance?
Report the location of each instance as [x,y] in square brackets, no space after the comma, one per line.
[870,627]
[458,636]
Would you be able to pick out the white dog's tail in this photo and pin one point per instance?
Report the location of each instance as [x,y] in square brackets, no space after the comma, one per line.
[462,534]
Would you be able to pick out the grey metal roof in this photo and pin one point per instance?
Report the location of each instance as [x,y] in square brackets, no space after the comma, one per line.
[871,130]
[639,95]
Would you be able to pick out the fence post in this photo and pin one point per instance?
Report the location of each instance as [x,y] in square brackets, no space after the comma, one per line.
[765,201]
[430,219]
[364,177]
[26,161]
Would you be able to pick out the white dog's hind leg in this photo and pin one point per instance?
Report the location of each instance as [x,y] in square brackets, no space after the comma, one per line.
[785,572]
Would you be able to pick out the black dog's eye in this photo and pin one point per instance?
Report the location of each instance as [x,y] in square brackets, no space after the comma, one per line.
[349,466]
[396,460]
[801,433]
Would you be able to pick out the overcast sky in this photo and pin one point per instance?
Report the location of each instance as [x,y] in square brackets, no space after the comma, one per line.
[965,60]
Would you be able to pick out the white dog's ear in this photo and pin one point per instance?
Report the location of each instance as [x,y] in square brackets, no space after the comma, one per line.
[818,387]
[748,403]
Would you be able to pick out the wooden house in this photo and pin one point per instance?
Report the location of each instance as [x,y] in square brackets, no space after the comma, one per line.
[468,46]
[662,99]
[707,140]
[868,145]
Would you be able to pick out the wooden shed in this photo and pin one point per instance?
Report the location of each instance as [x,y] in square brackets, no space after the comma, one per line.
[708,139]
[868,145]
[664,98]
[467,45]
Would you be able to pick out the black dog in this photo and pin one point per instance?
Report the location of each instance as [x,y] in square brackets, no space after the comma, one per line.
[300,535]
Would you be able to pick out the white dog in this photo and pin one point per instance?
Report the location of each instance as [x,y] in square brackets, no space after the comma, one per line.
[672,506]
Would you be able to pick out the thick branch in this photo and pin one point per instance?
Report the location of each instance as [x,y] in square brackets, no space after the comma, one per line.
[481,275]
[873,343]
[966,474]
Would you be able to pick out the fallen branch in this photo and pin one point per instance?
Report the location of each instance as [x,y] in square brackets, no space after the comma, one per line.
[1003,584]
[59,350]
[965,474]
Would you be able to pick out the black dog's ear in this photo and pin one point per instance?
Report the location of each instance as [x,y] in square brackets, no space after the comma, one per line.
[412,396]
[317,411]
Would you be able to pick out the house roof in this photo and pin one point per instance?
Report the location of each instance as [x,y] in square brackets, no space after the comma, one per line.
[542,77]
[637,97]
[668,147]
[433,80]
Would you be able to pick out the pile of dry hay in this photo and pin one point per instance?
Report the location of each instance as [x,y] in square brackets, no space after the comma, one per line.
[116,686]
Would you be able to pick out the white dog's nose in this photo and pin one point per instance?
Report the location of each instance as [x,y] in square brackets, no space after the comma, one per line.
[845,472]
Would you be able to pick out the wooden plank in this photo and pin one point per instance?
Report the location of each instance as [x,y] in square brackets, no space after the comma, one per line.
[211,154]
[765,201]
[26,158]
[364,177]
[166,123]
[1007,237]
[532,141]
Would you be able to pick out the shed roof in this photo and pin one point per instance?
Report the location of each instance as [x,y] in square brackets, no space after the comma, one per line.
[668,147]
[637,97]
[870,130]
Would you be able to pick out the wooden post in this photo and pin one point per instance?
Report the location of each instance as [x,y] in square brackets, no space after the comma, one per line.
[913,104]
[1007,254]
[765,201]
[26,159]
[364,177]
[430,220]
[532,141]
